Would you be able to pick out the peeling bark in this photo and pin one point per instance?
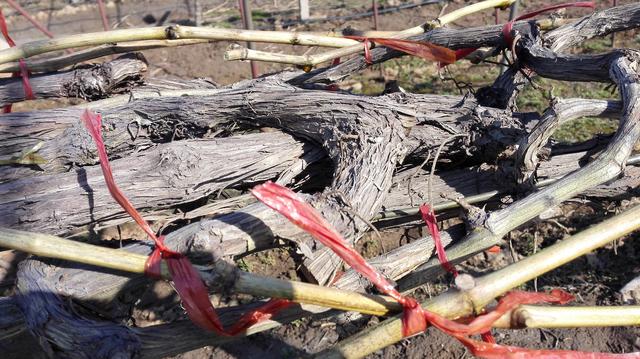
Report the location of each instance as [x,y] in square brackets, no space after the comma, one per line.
[159,178]
[364,137]
[132,123]
[90,82]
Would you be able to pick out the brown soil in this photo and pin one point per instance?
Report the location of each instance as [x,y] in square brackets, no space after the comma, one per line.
[595,279]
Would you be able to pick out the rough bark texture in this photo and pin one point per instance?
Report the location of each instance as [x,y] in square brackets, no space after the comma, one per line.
[90,82]
[351,129]
[560,112]
[137,123]
[451,38]
[437,118]
[46,314]
[67,143]
[482,179]
[505,89]
[162,177]
[600,23]
[363,138]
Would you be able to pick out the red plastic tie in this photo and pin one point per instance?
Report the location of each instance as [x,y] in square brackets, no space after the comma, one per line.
[459,54]
[103,15]
[29,18]
[484,322]
[414,318]
[367,51]
[5,30]
[425,50]
[494,249]
[24,72]
[300,213]
[487,337]
[508,27]
[333,87]
[430,219]
[496,351]
[186,279]
[462,53]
